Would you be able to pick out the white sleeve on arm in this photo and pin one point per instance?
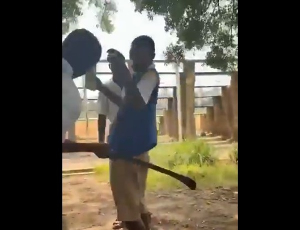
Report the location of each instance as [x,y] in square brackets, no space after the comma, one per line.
[67,122]
[147,84]
[102,104]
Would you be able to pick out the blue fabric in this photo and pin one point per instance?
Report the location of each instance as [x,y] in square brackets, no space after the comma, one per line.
[135,129]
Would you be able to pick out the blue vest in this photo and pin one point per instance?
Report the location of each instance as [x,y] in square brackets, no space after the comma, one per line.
[135,129]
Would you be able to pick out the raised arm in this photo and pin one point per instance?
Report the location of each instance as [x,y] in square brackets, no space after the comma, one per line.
[139,94]
[136,94]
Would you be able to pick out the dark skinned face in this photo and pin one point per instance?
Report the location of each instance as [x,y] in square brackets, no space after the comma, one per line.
[120,56]
[141,56]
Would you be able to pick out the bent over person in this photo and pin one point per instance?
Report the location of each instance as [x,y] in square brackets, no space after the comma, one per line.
[81,51]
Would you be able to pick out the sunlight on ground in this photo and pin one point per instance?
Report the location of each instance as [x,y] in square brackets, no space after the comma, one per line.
[206,176]
[218,174]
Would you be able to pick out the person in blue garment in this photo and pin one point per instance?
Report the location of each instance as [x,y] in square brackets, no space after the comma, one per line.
[133,132]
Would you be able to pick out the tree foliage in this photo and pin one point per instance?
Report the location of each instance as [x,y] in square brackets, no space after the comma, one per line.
[198,24]
[72,9]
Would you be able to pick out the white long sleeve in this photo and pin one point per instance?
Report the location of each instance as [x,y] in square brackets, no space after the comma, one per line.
[71,100]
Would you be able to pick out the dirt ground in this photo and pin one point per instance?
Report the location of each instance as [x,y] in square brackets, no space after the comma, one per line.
[88,205]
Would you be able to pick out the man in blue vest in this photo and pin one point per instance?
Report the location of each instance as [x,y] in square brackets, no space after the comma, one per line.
[133,132]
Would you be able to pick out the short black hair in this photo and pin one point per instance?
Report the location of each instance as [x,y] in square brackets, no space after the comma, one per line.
[145,40]
[82,50]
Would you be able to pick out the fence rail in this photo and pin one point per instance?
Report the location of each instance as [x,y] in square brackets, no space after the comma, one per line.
[169,92]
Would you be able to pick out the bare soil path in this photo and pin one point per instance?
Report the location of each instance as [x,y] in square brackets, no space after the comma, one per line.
[88,205]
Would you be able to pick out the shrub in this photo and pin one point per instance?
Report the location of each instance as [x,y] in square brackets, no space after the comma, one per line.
[234,154]
[192,153]
[192,158]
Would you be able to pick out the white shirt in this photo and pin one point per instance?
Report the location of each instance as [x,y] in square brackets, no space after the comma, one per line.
[146,85]
[71,100]
[105,106]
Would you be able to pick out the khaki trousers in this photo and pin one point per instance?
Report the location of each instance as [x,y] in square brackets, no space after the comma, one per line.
[128,185]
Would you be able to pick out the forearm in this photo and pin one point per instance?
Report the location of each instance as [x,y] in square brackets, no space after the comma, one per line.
[133,95]
[114,98]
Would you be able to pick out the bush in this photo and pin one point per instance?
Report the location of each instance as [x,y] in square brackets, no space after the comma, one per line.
[234,154]
[192,153]
[192,158]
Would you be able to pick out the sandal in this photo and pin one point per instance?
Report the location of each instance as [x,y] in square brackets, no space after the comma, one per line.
[118,224]
[146,218]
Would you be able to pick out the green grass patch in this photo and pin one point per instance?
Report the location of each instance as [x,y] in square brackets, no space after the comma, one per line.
[102,172]
[192,158]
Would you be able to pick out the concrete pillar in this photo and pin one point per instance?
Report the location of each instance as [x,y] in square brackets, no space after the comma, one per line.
[161,127]
[167,118]
[179,101]
[198,125]
[185,101]
[174,110]
[217,115]
[183,105]
[203,123]
[210,119]
[220,119]
[189,72]
[170,119]
[227,104]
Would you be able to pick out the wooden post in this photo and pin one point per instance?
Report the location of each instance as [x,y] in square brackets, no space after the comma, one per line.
[162,127]
[210,119]
[203,123]
[226,101]
[183,104]
[217,115]
[220,119]
[234,102]
[169,119]
[186,101]
[189,70]
[174,115]
[179,102]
